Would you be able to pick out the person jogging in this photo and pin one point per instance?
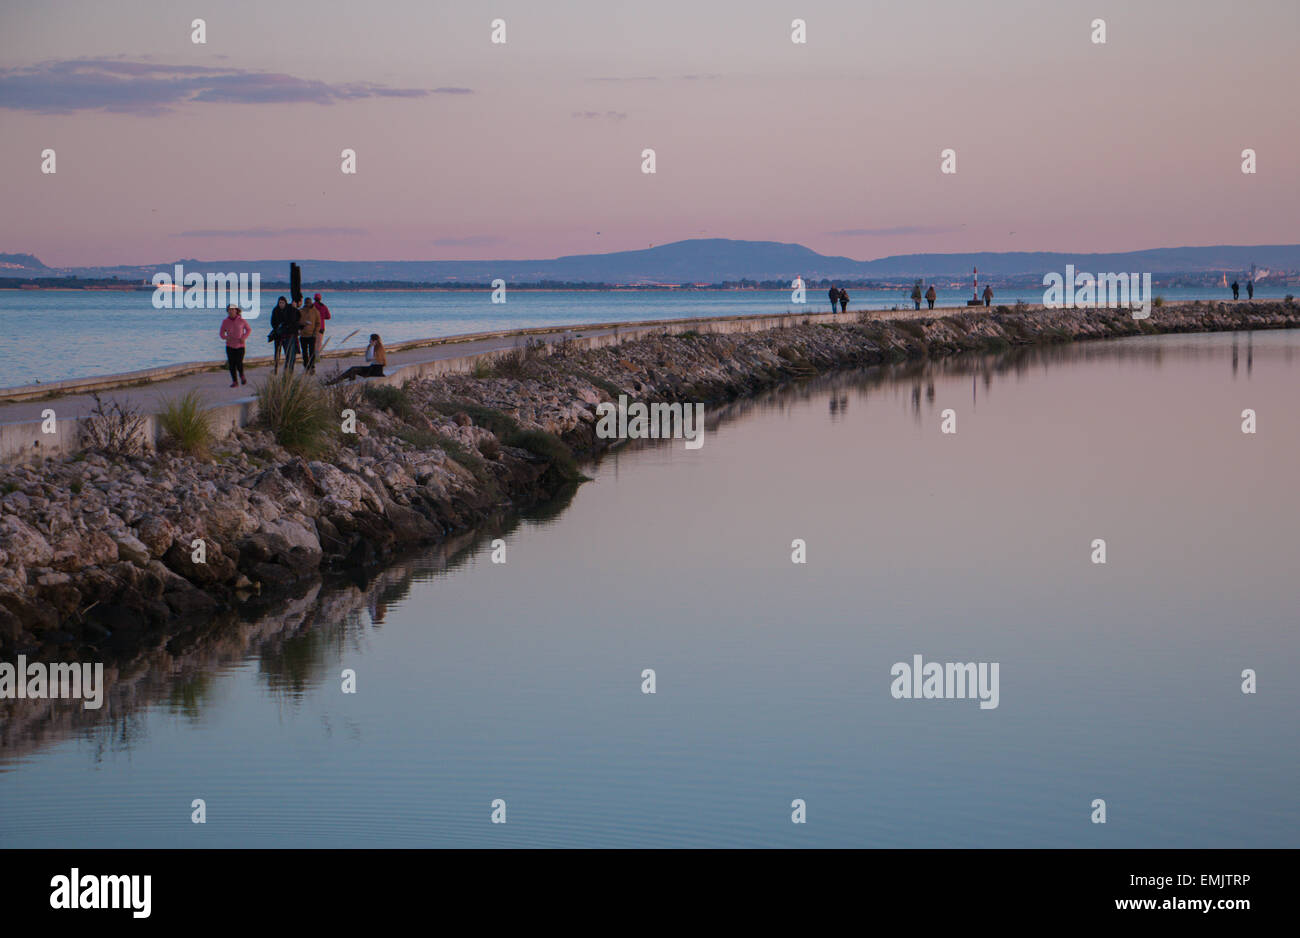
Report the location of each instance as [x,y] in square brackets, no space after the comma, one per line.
[235,329]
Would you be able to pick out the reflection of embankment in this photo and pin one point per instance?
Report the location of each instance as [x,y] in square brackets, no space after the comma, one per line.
[917,376]
[295,645]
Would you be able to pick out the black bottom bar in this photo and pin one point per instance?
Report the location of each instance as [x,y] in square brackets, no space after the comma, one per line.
[361,887]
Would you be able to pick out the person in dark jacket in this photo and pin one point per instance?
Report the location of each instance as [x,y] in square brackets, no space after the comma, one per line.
[277,324]
[988,294]
[844,301]
[834,294]
[1250,289]
[1235,291]
[289,334]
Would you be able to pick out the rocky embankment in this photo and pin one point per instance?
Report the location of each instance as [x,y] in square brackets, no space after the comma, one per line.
[109,552]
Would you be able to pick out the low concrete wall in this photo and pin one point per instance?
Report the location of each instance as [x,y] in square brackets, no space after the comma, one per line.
[29,439]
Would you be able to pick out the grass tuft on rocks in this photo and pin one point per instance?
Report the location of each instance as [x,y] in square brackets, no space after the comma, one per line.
[519,363]
[549,447]
[388,397]
[499,422]
[186,424]
[297,412]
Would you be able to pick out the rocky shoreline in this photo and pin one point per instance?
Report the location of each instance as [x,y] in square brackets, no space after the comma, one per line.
[97,550]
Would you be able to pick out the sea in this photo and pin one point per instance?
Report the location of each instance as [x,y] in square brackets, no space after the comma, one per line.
[54,335]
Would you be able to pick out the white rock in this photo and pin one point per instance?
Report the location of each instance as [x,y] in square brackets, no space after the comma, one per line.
[298,535]
[131,548]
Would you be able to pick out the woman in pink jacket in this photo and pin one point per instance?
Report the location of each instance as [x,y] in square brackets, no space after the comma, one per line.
[235,329]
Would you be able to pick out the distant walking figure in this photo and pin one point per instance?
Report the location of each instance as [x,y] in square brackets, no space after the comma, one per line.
[1250,289]
[834,294]
[844,301]
[235,329]
[930,296]
[310,329]
[988,294]
[374,355]
[916,294]
[1235,291]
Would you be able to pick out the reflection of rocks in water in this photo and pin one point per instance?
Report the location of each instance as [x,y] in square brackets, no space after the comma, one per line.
[917,377]
[297,646]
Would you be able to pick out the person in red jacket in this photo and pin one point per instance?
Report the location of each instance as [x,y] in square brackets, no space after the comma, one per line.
[324,312]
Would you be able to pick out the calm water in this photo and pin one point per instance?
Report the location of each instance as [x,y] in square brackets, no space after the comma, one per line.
[521,681]
[53,335]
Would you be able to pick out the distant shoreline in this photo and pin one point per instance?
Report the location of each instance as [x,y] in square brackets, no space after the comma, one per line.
[606,288]
[481,288]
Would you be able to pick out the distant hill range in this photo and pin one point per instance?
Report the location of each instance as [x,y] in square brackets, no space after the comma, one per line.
[705,260]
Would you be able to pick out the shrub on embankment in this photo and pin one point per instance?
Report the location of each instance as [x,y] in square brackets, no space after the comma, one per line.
[186,424]
[296,409]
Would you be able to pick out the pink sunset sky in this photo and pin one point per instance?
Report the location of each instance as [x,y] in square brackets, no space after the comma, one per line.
[532,149]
